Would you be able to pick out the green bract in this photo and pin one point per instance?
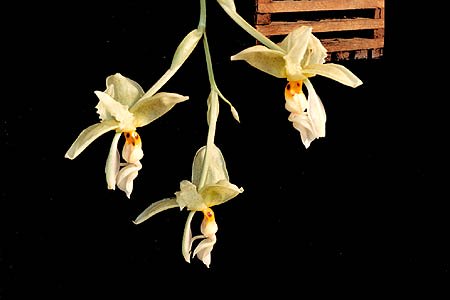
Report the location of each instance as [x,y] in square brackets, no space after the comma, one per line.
[185,48]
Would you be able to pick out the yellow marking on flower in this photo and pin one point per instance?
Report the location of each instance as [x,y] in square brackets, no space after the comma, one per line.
[209,225]
[132,137]
[208,215]
[293,88]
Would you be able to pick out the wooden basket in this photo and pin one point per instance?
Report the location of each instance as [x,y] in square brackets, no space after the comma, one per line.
[349,29]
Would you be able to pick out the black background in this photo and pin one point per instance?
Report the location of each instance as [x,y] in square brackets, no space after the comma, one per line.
[359,212]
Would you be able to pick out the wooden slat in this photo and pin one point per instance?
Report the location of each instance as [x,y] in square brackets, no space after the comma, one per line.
[263,19]
[338,48]
[316,5]
[379,14]
[334,45]
[281,28]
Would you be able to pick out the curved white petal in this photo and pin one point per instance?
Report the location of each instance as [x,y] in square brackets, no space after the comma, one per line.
[88,135]
[303,124]
[123,89]
[108,107]
[296,38]
[296,44]
[316,111]
[317,53]
[204,249]
[126,176]
[155,208]
[132,153]
[334,71]
[297,104]
[186,243]
[113,163]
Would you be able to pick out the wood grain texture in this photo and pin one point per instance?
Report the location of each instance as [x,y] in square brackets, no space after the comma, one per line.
[364,16]
[315,5]
[281,28]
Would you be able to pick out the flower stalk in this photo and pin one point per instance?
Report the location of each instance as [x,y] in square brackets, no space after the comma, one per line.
[124,107]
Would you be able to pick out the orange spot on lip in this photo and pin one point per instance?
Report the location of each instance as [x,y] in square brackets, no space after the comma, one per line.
[293,88]
[132,137]
[208,214]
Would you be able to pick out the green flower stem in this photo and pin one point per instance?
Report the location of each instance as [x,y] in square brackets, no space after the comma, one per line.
[162,81]
[251,30]
[171,71]
[213,114]
[202,21]
[209,67]
[213,111]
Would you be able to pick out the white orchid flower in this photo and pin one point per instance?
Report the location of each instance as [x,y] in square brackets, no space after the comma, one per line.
[123,107]
[217,190]
[297,58]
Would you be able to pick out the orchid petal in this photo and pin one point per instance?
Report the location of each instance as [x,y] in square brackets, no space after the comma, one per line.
[123,89]
[221,192]
[217,169]
[334,71]
[189,197]
[303,124]
[149,109]
[193,239]
[317,52]
[264,59]
[296,36]
[297,104]
[204,249]
[187,236]
[108,107]
[132,153]
[209,227]
[316,111]
[296,44]
[113,163]
[154,208]
[126,176]
[88,135]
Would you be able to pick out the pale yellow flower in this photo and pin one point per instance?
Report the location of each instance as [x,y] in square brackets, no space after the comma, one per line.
[123,107]
[299,57]
[217,190]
